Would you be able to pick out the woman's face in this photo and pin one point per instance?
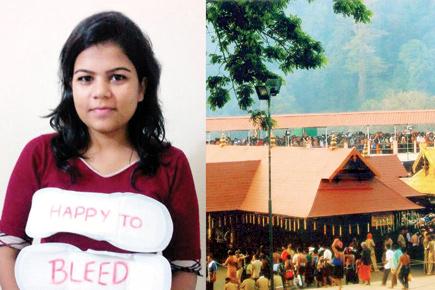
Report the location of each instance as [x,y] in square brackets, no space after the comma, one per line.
[106,89]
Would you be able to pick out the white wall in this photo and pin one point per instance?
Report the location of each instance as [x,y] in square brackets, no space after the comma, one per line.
[32,34]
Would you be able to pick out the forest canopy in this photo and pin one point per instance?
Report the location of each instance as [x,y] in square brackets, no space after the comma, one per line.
[385,64]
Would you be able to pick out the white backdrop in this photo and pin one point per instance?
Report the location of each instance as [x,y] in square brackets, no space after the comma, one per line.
[32,34]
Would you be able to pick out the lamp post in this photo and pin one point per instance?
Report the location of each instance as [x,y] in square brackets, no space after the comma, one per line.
[265,92]
[287,137]
[408,133]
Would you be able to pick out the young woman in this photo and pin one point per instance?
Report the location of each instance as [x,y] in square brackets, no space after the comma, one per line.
[110,137]
[372,247]
[289,273]
[231,265]
[364,267]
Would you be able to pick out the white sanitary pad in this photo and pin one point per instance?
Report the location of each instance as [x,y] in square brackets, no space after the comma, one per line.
[63,267]
[133,222]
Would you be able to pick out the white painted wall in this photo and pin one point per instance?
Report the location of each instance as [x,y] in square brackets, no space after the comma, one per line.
[32,34]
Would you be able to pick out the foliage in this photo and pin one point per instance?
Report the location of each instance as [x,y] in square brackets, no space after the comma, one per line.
[362,60]
[416,63]
[400,42]
[261,120]
[251,36]
[395,101]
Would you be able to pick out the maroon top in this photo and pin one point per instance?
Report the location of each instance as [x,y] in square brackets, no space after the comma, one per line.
[172,185]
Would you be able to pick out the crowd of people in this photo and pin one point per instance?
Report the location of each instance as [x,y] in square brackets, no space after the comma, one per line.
[380,142]
[327,264]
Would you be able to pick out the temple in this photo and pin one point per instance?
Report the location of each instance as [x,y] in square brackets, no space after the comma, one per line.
[321,192]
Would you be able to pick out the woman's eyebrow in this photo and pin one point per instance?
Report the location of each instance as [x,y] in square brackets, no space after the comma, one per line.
[109,71]
[118,68]
[84,71]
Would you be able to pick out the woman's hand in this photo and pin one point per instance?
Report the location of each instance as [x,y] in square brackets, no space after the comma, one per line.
[183,281]
[8,256]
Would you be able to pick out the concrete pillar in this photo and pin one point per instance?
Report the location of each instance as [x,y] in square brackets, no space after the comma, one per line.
[233,236]
[395,147]
[368,147]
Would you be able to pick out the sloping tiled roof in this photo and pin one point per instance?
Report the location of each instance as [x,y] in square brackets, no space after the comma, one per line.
[296,175]
[357,197]
[389,165]
[223,195]
[327,120]
[392,170]
[424,180]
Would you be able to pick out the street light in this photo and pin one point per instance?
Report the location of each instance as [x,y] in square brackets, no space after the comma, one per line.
[287,136]
[408,133]
[265,92]
[269,89]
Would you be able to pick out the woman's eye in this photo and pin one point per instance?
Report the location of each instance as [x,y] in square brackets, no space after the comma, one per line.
[84,79]
[118,77]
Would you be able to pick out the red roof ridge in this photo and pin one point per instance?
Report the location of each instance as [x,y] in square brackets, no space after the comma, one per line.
[346,160]
[326,114]
[321,120]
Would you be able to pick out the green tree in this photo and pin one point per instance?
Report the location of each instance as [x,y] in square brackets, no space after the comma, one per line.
[393,100]
[255,36]
[363,60]
[416,64]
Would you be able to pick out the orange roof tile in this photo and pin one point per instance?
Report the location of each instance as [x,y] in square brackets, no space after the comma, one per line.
[223,195]
[320,120]
[365,197]
[296,175]
[389,165]
[391,170]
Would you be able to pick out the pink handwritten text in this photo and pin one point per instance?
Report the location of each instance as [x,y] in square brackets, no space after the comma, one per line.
[85,214]
[95,272]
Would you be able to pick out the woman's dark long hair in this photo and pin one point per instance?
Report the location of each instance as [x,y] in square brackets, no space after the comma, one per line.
[146,131]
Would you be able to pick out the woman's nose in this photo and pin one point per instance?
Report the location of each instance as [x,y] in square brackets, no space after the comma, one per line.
[102,89]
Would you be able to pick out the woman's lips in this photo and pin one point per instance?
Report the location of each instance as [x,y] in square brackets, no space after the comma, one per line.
[102,111]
